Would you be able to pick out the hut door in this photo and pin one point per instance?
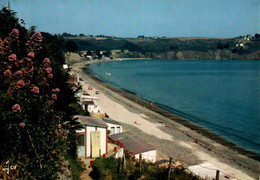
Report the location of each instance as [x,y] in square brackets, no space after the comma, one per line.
[95,143]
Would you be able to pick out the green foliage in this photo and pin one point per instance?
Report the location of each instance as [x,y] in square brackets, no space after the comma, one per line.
[71,46]
[222,46]
[37,105]
[76,167]
[107,169]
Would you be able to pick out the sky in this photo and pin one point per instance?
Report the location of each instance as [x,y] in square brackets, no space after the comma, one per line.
[131,18]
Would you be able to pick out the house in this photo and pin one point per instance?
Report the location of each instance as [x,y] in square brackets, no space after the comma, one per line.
[135,146]
[126,51]
[84,97]
[114,127]
[65,66]
[92,137]
[115,52]
[84,53]
[88,106]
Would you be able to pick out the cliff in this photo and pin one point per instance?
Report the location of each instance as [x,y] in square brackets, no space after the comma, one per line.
[242,47]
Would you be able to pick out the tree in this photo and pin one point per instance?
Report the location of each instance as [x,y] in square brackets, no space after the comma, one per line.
[71,46]
[222,46]
[257,36]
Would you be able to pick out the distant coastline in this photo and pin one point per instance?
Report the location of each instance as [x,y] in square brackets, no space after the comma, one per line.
[238,48]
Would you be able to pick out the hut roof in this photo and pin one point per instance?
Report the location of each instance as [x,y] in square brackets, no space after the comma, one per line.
[133,143]
[91,121]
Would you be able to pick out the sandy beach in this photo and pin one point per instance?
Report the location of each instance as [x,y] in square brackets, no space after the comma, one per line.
[172,135]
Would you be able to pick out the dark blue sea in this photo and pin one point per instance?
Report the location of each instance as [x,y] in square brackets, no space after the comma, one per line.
[222,96]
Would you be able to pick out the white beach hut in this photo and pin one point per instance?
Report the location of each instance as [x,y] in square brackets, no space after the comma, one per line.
[92,137]
[114,127]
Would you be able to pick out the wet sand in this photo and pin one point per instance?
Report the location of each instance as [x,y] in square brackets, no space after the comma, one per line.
[173,135]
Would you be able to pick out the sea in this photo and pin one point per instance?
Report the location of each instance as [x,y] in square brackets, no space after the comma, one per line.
[220,95]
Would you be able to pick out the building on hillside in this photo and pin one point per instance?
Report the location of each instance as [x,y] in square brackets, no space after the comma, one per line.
[114,127]
[65,66]
[126,51]
[135,146]
[92,137]
[84,97]
[116,52]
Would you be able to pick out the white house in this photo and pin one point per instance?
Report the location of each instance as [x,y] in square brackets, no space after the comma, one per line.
[88,105]
[92,137]
[135,146]
[114,127]
[84,97]
[65,66]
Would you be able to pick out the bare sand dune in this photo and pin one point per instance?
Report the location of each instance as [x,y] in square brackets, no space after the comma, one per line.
[185,143]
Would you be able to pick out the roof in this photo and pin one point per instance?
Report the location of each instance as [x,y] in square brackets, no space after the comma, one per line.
[91,121]
[83,96]
[88,102]
[133,143]
[111,121]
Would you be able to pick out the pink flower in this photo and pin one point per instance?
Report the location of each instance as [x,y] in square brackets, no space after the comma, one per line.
[19,73]
[37,36]
[46,62]
[35,90]
[32,69]
[54,97]
[12,57]
[8,73]
[22,124]
[16,108]
[48,70]
[57,90]
[20,83]
[50,76]
[23,70]
[15,32]
[30,54]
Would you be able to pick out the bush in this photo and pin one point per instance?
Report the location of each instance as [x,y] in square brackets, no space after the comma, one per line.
[107,169]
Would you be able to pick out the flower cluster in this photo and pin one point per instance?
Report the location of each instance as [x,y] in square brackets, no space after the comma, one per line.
[8,73]
[28,97]
[16,108]
[14,35]
[35,90]
[35,42]
[20,83]
[12,57]
[30,54]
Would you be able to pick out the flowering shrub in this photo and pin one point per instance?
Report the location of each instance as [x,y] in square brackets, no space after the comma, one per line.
[30,123]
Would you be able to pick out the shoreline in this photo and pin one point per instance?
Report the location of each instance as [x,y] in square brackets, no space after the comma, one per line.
[190,134]
[175,117]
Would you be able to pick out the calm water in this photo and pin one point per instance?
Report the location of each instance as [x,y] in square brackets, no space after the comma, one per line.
[223,96]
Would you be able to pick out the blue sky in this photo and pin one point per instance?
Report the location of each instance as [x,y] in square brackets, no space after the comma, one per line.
[130,18]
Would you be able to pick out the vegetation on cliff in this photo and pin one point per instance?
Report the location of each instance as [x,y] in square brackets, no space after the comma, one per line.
[37,105]
[243,47]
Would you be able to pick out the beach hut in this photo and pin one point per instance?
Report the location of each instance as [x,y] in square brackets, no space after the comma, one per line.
[92,137]
[135,146]
[114,127]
